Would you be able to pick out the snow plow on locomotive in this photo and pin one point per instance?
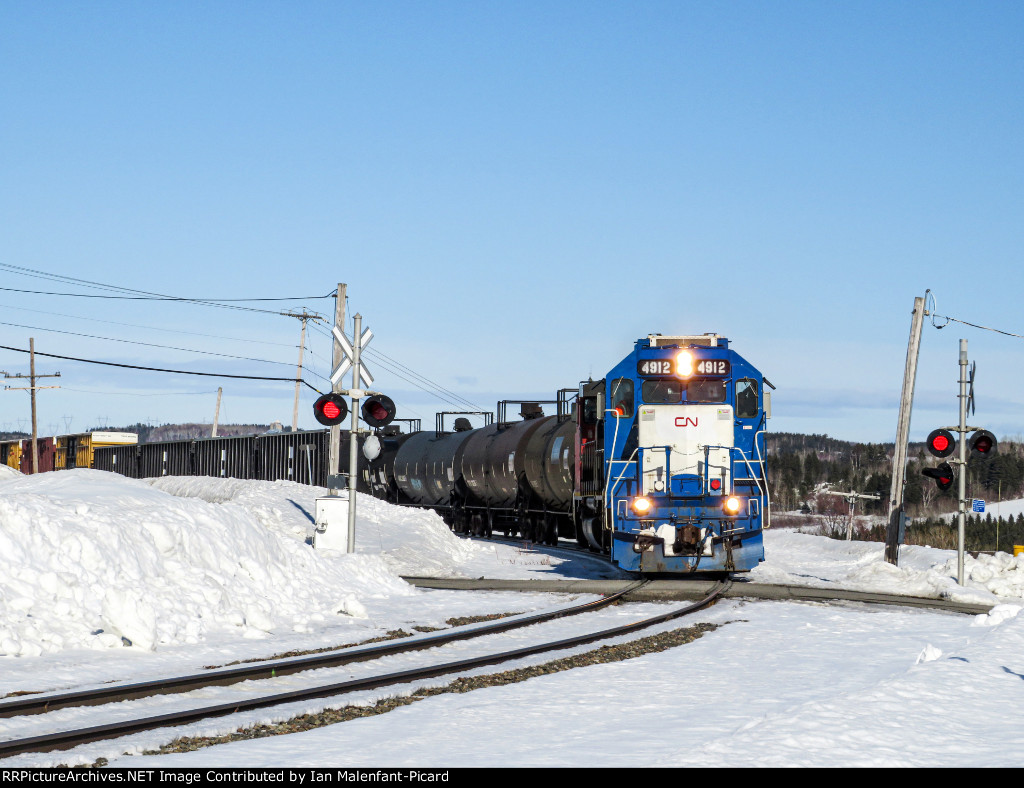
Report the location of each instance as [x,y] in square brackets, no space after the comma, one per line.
[660,465]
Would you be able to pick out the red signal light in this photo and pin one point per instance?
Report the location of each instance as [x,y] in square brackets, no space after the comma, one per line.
[944,475]
[982,443]
[330,409]
[941,443]
[378,410]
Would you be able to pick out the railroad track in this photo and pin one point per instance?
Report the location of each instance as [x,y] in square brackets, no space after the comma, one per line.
[675,588]
[40,703]
[66,739]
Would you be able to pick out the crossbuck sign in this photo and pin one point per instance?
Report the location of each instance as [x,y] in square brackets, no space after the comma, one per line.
[350,354]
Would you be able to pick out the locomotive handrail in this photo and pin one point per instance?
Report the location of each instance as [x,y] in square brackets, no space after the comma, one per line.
[746,461]
[706,448]
[640,463]
[612,487]
[501,410]
[764,475]
[439,418]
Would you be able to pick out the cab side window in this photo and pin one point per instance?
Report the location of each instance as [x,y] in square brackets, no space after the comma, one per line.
[589,410]
[746,399]
[621,396]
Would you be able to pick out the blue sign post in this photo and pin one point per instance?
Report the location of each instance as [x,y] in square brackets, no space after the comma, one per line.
[977,505]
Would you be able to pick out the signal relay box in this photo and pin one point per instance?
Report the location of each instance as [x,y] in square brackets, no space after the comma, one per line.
[330,531]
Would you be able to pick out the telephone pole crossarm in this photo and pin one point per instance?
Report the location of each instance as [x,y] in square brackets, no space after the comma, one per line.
[851,500]
[32,388]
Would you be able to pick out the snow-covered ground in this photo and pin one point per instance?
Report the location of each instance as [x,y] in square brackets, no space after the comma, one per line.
[104,578]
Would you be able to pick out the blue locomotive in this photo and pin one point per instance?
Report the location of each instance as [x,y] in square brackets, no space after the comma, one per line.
[660,465]
[672,474]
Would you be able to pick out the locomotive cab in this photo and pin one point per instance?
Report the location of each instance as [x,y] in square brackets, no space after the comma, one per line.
[681,451]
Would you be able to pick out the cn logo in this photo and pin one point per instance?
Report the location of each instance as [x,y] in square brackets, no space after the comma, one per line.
[686,421]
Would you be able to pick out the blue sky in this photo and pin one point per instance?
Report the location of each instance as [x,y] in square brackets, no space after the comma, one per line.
[513,192]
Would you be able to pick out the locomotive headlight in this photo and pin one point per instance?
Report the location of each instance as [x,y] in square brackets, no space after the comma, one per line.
[642,505]
[732,505]
[684,364]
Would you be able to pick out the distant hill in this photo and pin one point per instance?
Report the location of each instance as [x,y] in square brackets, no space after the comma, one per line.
[798,466]
[189,431]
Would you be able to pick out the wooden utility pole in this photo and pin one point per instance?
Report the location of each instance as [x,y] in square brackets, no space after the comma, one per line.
[298,373]
[899,457]
[216,413]
[298,376]
[32,388]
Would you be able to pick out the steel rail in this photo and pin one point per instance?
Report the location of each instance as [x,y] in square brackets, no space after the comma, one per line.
[42,703]
[63,740]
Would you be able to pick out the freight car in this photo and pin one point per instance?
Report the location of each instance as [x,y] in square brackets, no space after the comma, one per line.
[78,450]
[659,465]
[293,456]
[10,454]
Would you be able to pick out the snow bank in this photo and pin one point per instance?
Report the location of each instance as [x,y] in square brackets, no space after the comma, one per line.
[802,559]
[410,541]
[90,559]
[94,560]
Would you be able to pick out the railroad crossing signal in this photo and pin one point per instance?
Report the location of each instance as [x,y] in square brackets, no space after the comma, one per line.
[378,410]
[330,409]
[941,443]
[944,475]
[349,355]
[982,444]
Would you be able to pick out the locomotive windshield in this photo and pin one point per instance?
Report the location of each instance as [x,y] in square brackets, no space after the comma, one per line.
[706,390]
[670,391]
[662,391]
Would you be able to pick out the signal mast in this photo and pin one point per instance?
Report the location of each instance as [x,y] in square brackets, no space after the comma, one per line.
[942,444]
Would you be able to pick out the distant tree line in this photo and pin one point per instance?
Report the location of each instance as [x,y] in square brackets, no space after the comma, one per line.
[982,533]
[170,432]
[189,431]
[798,466]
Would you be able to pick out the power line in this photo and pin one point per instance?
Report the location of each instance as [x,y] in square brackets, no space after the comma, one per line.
[149,328]
[434,389]
[144,344]
[972,325]
[930,303]
[141,394]
[135,293]
[158,369]
[160,297]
